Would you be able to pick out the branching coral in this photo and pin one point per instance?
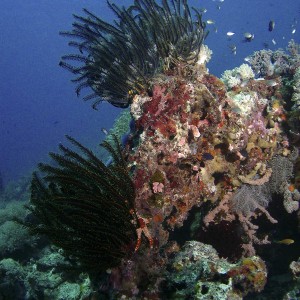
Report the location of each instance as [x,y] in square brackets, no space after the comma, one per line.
[248,198]
[85,207]
[237,76]
[282,171]
[254,196]
[118,60]
[280,180]
[269,63]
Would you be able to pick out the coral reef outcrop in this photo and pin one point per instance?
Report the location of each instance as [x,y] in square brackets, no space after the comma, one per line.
[207,176]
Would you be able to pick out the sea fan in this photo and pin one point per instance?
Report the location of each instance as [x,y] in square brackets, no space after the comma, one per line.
[250,197]
[282,171]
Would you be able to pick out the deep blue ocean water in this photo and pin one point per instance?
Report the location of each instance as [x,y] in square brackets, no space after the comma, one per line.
[38,105]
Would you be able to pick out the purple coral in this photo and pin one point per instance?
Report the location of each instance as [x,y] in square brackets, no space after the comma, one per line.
[248,198]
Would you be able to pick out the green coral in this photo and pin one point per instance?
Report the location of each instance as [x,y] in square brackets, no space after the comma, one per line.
[198,265]
[42,278]
[120,126]
[13,238]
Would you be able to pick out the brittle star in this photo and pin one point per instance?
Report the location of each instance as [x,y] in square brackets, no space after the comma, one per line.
[142,223]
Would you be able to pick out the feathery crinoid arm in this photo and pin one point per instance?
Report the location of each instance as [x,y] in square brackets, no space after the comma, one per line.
[119,60]
[84,206]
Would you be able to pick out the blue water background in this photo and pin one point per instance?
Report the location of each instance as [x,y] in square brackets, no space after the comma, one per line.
[38,105]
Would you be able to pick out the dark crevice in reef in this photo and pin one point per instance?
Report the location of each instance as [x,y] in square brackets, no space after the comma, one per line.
[225,237]
[278,256]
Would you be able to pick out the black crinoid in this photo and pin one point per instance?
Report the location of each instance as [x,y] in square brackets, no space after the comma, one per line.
[85,207]
[117,60]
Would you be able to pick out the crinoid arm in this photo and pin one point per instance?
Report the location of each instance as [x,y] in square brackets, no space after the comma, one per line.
[119,60]
[84,206]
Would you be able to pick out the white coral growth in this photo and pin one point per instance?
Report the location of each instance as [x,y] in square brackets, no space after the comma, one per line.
[204,55]
[282,168]
[237,76]
[296,94]
[136,107]
[243,103]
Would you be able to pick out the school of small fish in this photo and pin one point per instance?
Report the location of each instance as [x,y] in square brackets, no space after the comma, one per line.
[247,36]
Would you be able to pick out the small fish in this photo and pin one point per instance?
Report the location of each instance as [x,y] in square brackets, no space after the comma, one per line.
[271,82]
[203,10]
[209,21]
[274,42]
[266,45]
[248,36]
[207,156]
[293,31]
[233,49]
[271,25]
[230,33]
[104,131]
[285,242]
